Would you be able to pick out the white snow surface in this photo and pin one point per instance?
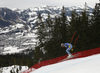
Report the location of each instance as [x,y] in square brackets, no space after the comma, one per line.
[11,49]
[13,68]
[19,25]
[90,64]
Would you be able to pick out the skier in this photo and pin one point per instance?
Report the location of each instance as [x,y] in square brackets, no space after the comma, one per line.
[68,47]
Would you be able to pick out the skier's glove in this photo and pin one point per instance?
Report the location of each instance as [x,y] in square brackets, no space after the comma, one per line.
[72,49]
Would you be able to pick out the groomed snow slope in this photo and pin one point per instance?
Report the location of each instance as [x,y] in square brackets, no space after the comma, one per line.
[90,64]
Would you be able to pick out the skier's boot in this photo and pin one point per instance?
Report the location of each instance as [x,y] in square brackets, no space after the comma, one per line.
[70,56]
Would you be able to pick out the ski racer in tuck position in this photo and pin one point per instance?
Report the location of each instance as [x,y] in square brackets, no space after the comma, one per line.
[68,47]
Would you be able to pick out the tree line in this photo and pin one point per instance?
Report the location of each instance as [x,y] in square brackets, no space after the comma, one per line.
[16,59]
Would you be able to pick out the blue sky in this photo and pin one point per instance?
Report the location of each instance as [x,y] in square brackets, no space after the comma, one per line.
[23,4]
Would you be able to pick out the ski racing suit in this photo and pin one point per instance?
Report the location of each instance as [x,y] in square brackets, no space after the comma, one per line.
[68,47]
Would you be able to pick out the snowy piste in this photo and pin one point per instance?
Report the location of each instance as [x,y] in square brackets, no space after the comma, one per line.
[90,64]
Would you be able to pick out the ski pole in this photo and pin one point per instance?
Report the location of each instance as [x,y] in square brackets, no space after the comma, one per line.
[76,40]
[73,36]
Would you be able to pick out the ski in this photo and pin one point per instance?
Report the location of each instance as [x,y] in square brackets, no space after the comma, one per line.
[73,56]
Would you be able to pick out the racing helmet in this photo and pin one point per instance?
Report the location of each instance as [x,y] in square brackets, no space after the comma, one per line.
[62,44]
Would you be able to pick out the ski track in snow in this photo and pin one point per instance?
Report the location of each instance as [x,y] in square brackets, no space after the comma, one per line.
[89,64]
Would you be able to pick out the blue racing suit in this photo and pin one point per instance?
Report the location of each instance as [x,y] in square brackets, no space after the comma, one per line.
[68,47]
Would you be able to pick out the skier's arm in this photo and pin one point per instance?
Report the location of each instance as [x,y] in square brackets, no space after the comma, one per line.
[67,46]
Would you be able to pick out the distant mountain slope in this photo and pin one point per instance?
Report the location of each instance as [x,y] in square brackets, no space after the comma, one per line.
[9,17]
[17,38]
[8,14]
[30,15]
[4,22]
[17,26]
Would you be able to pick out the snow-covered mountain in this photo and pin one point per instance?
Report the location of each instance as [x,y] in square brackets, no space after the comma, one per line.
[16,38]
[17,31]
[30,15]
[9,17]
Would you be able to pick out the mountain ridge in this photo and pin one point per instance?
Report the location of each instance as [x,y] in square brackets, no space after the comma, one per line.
[31,14]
